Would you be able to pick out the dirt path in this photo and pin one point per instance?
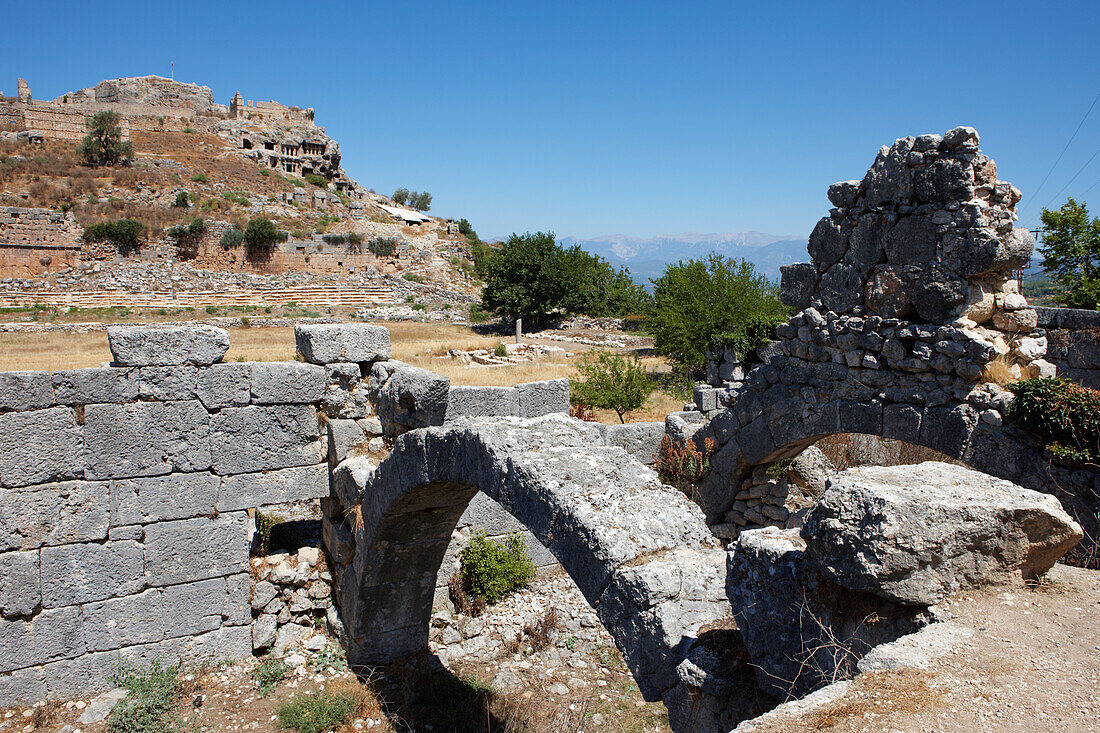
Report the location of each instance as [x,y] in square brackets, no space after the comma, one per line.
[1032,664]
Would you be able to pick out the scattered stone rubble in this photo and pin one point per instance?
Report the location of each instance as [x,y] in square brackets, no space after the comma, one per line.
[515,354]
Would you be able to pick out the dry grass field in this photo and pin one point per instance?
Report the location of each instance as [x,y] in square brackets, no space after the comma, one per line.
[422,344]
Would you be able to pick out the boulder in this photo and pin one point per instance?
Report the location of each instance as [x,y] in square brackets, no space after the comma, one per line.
[915,534]
[330,343]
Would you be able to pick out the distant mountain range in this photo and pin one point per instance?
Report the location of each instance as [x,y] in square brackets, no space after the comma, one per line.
[647,257]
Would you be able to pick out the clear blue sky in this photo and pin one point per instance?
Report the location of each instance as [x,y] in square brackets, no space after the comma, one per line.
[593,118]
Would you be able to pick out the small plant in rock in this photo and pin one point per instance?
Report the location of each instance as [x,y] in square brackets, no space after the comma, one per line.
[581,411]
[153,694]
[492,569]
[317,712]
[269,673]
[182,201]
[681,463]
[540,633]
[1063,414]
[199,177]
[500,350]
[264,524]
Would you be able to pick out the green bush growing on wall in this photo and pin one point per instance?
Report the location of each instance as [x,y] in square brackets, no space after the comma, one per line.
[1061,413]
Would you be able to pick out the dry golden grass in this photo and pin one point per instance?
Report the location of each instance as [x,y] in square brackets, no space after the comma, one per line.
[1000,371]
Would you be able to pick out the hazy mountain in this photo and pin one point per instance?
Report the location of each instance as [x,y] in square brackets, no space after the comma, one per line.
[647,257]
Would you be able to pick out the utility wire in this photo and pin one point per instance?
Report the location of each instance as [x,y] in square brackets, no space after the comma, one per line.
[1035,196]
[1071,180]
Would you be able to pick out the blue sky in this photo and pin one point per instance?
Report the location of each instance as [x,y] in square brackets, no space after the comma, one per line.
[638,118]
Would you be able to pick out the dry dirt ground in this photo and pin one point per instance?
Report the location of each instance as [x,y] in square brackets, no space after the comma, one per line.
[1032,664]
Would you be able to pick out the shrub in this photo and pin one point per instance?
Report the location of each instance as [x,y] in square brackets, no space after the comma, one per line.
[317,712]
[413,277]
[103,145]
[125,233]
[500,350]
[189,130]
[316,180]
[260,236]
[153,693]
[611,383]
[232,238]
[182,201]
[382,246]
[1062,414]
[683,464]
[265,172]
[478,314]
[199,177]
[269,673]
[492,569]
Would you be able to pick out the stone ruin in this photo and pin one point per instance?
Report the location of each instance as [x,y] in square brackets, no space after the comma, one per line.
[125,490]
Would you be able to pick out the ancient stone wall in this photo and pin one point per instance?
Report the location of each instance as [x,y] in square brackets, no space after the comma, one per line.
[1073,343]
[33,241]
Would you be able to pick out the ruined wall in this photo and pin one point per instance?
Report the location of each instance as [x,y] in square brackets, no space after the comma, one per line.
[35,240]
[1073,343]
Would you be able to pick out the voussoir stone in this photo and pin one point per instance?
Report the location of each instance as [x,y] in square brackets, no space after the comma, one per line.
[915,534]
[328,343]
[167,345]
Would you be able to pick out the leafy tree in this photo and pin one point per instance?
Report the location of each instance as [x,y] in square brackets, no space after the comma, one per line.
[532,276]
[260,237]
[103,145]
[400,196]
[182,201]
[420,201]
[611,383]
[696,300]
[1071,255]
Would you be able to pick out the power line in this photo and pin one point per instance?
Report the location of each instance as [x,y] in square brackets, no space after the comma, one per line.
[1035,196]
[1071,180]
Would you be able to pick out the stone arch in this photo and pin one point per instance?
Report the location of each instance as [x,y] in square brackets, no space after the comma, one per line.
[639,551]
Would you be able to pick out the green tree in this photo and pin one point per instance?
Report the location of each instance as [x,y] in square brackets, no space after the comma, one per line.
[1071,255]
[611,382]
[420,201]
[259,237]
[698,300]
[103,145]
[524,279]
[400,196]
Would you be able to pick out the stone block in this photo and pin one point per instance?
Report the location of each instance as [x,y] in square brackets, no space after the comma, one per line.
[206,605]
[543,398]
[287,382]
[346,392]
[23,687]
[26,390]
[40,446]
[261,438]
[53,514]
[409,396]
[146,439]
[466,401]
[706,398]
[137,619]
[328,343]
[167,345]
[168,383]
[84,675]
[640,440]
[90,572]
[20,583]
[195,549]
[51,635]
[98,384]
[225,385]
[901,422]
[797,283]
[162,498]
[248,490]
[344,436]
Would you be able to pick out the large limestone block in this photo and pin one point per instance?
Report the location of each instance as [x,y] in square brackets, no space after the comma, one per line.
[248,490]
[53,514]
[40,446]
[146,438]
[168,383]
[98,384]
[641,439]
[20,583]
[802,631]
[167,345]
[287,382]
[196,549]
[259,438]
[409,396]
[328,343]
[543,398]
[915,534]
[56,634]
[162,498]
[90,572]
[225,385]
[797,284]
[26,390]
[466,401]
